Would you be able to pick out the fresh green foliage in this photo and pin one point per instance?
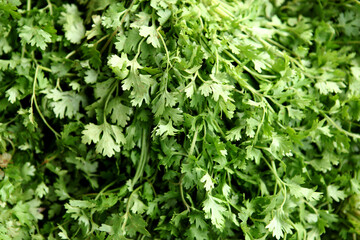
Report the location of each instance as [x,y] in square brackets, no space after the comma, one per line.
[169,119]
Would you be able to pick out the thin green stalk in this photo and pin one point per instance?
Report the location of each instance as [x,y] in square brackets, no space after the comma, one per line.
[28,5]
[115,85]
[34,101]
[50,7]
[104,189]
[144,155]
[259,127]
[70,54]
[191,150]
[278,179]
[126,215]
[354,135]
[101,39]
[192,147]
[182,194]
[168,63]
[219,129]
[44,68]
[251,72]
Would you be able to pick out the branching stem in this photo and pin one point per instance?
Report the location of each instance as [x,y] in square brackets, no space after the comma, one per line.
[34,101]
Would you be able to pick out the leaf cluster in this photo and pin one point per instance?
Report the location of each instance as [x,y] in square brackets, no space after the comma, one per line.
[169,119]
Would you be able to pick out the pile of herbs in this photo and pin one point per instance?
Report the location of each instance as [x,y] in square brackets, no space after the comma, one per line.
[169,119]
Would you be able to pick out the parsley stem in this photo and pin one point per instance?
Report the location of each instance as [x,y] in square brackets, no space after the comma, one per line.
[251,72]
[101,39]
[347,42]
[354,135]
[259,127]
[192,147]
[34,101]
[138,51]
[144,155]
[166,50]
[70,54]
[312,207]
[277,52]
[50,7]
[44,68]
[126,215]
[28,5]
[104,189]
[246,85]
[182,194]
[221,9]
[115,85]
[219,129]
[12,146]
[191,150]
[278,179]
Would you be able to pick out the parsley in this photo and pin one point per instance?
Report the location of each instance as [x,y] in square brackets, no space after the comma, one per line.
[169,119]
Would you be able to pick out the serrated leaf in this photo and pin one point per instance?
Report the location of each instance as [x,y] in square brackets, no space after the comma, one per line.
[151,34]
[334,193]
[208,182]
[120,113]
[65,103]
[214,211]
[35,36]
[166,129]
[279,225]
[91,76]
[72,23]
[108,138]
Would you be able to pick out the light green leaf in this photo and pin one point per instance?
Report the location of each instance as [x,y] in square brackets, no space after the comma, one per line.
[120,114]
[72,23]
[91,76]
[279,225]
[214,211]
[166,129]
[65,103]
[208,182]
[151,34]
[110,141]
[35,36]
[334,193]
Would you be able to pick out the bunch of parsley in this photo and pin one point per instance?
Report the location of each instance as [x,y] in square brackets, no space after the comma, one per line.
[169,119]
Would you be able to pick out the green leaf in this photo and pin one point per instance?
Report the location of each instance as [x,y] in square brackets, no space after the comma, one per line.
[119,65]
[208,182]
[91,76]
[215,211]
[108,138]
[120,114]
[280,145]
[138,206]
[113,14]
[151,35]
[41,190]
[72,23]
[197,234]
[166,129]
[13,94]
[65,103]
[348,21]
[279,225]
[137,224]
[35,36]
[139,84]
[333,192]
[164,16]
